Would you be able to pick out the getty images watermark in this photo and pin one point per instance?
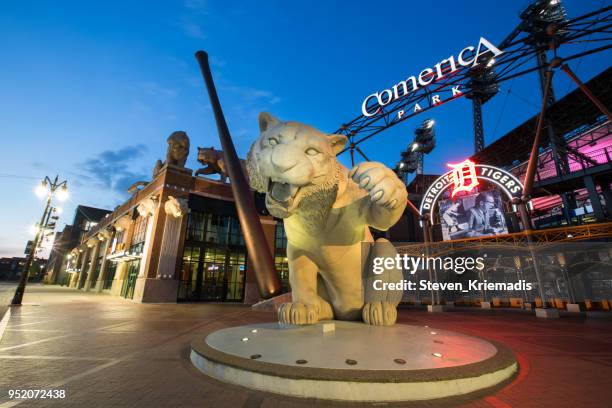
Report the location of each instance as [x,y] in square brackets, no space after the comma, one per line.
[459,265]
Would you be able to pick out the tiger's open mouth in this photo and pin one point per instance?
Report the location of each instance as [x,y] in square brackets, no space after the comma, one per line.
[282,192]
[280,198]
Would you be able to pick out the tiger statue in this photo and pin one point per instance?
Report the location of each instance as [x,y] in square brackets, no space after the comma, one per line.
[327,211]
[212,159]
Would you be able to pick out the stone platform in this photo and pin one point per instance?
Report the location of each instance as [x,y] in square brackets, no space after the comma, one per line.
[354,362]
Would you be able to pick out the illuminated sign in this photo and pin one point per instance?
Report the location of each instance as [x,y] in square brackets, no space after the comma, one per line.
[467,57]
[503,179]
[462,172]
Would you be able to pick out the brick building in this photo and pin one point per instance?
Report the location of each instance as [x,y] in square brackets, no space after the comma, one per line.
[176,239]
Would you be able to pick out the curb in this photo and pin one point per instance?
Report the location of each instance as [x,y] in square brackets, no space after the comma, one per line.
[4,322]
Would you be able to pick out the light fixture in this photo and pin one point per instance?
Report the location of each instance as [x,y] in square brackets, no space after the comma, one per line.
[414,147]
[34,229]
[62,194]
[437,355]
[41,189]
[491,62]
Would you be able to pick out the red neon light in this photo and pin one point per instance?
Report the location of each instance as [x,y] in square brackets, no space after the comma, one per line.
[461,174]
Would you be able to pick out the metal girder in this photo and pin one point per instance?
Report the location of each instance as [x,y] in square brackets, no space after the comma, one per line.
[518,50]
[579,156]
[571,115]
[540,239]
[479,143]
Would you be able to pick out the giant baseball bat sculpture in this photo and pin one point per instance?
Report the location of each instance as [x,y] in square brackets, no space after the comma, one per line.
[265,273]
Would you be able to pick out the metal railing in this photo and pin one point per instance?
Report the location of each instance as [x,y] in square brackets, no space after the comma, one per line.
[539,238]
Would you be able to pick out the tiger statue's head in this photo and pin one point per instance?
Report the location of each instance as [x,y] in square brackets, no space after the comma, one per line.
[293,164]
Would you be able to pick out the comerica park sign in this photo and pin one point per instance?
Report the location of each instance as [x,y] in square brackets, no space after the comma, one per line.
[466,176]
[467,57]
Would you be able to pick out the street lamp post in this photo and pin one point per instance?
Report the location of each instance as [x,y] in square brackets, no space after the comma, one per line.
[50,187]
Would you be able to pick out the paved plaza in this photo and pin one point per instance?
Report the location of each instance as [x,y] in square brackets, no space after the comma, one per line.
[105,351]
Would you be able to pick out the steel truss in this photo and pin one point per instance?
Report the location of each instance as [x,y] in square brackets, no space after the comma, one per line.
[537,239]
[519,49]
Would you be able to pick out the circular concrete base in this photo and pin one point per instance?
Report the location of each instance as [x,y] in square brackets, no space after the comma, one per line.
[354,361]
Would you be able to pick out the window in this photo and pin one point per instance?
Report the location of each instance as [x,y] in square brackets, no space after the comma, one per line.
[140,235]
[217,229]
[89,225]
[118,244]
[235,276]
[223,230]
[214,229]
[119,235]
[195,226]
[111,269]
[191,283]
[96,271]
[140,230]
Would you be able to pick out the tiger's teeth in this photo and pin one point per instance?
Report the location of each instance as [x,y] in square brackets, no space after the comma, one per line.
[281,192]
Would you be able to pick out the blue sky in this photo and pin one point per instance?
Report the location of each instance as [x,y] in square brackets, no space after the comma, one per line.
[91,90]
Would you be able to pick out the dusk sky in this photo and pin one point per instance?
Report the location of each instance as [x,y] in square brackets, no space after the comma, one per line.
[91,90]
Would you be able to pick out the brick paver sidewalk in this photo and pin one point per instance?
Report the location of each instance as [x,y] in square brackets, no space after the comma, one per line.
[107,352]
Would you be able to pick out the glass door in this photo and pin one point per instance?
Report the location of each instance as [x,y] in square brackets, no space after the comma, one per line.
[111,269]
[129,283]
[213,288]
[190,283]
[214,259]
[236,267]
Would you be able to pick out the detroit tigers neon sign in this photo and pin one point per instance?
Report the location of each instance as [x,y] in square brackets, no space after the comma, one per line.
[506,181]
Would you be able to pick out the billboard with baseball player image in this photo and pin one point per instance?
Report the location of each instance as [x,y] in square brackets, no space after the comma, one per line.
[473,215]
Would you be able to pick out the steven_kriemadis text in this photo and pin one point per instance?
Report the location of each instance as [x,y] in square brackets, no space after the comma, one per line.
[472,285]
[459,265]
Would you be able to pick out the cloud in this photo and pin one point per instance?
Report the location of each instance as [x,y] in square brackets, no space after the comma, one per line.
[113,169]
[252,95]
[155,89]
[217,62]
[197,6]
[191,21]
[191,28]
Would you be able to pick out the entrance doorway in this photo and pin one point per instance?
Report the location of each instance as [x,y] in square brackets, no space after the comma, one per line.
[129,283]
[214,259]
[213,274]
